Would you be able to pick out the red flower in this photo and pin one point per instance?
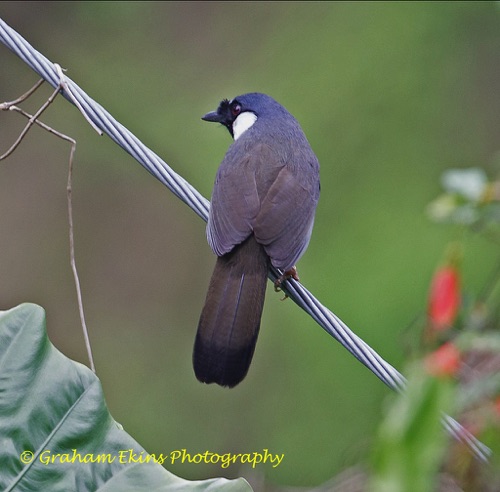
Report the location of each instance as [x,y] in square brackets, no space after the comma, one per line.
[444,297]
[443,362]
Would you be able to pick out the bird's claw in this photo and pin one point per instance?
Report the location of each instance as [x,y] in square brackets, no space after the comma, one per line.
[292,273]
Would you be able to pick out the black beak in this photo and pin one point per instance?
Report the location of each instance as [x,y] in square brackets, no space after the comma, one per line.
[213,116]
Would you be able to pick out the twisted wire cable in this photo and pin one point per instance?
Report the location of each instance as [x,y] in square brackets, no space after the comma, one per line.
[333,325]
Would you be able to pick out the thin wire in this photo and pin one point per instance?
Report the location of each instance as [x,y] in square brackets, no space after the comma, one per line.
[333,325]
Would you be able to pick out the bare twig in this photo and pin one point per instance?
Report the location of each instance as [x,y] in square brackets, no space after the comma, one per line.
[72,256]
[6,105]
[33,119]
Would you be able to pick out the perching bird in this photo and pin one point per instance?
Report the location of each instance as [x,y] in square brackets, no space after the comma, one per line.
[262,212]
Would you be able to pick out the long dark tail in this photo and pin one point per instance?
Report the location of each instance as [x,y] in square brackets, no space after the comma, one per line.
[230,320]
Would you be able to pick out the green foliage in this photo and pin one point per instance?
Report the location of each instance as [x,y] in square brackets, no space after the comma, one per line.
[411,452]
[470,199]
[411,441]
[55,430]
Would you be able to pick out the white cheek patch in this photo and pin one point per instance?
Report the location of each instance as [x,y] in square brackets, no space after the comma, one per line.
[242,123]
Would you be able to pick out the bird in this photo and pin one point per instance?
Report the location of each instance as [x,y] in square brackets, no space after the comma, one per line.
[262,212]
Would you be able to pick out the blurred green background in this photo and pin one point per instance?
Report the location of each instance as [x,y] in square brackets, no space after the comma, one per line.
[389,95]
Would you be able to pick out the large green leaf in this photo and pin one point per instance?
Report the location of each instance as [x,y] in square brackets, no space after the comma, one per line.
[51,405]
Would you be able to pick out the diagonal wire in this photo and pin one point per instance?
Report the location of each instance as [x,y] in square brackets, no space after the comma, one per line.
[333,325]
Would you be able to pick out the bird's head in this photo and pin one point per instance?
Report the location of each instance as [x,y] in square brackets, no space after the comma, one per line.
[240,114]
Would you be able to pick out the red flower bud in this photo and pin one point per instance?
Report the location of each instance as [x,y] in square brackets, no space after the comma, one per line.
[443,362]
[444,297]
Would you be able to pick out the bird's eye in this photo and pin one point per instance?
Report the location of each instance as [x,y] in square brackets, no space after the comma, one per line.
[236,109]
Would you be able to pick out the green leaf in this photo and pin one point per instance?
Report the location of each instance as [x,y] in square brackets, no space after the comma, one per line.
[411,441]
[54,408]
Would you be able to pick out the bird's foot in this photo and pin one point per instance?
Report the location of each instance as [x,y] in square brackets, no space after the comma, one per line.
[292,273]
